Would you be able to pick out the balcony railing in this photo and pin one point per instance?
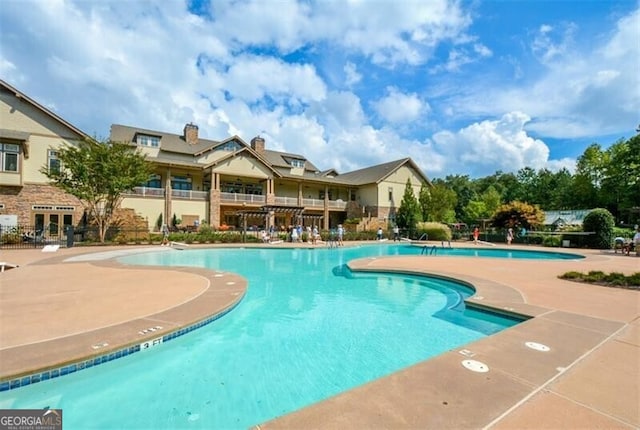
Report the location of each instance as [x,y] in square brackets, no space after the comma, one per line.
[286,201]
[337,204]
[145,192]
[190,194]
[235,198]
[159,192]
[242,198]
[313,203]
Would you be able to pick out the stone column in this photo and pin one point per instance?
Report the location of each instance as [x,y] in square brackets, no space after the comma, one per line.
[214,201]
[326,208]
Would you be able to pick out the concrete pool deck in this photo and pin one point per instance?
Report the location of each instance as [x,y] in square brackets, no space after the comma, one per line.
[56,307]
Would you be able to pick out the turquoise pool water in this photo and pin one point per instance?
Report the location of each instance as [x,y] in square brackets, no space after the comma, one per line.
[307,329]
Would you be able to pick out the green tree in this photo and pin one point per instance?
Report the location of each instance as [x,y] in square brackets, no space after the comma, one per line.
[518,214]
[484,207]
[98,173]
[438,203]
[409,214]
[600,222]
[464,190]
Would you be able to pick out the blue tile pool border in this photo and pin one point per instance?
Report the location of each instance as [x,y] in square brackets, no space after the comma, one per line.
[55,372]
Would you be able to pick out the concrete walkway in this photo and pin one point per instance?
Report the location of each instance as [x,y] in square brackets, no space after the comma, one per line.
[55,308]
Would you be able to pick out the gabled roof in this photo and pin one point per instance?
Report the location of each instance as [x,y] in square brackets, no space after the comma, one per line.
[378,173]
[22,96]
[168,141]
[280,159]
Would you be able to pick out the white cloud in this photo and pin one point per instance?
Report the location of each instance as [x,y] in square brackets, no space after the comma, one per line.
[351,74]
[590,90]
[484,147]
[157,66]
[398,107]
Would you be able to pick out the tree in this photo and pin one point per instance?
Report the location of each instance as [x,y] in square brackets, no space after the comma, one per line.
[98,173]
[408,215]
[518,214]
[600,222]
[438,203]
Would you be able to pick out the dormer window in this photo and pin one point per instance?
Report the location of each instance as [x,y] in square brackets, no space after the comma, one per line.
[146,140]
[231,146]
[296,163]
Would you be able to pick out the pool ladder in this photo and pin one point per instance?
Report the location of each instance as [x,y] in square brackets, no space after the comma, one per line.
[426,250]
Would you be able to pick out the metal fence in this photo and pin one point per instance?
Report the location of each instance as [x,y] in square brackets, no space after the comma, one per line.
[30,236]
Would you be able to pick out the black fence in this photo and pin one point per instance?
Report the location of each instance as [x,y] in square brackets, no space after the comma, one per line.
[30,236]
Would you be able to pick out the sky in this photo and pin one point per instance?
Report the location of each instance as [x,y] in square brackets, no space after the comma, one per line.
[461,87]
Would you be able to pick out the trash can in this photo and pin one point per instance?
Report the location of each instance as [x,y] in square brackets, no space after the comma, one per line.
[70,233]
[566,243]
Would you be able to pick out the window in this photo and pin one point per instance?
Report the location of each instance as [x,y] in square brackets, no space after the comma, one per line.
[9,157]
[229,146]
[390,194]
[145,140]
[255,189]
[297,163]
[181,183]
[155,181]
[53,161]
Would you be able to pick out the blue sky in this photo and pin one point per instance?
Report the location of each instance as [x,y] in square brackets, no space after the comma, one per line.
[462,87]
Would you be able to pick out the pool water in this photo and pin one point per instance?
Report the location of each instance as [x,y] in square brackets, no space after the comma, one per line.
[307,329]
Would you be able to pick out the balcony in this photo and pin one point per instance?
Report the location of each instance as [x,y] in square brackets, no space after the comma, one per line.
[242,198]
[313,203]
[159,193]
[145,192]
[190,194]
[286,201]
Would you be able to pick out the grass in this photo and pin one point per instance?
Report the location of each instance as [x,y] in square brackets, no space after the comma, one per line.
[613,279]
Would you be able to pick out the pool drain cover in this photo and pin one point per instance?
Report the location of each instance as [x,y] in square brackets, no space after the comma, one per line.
[475,366]
[537,346]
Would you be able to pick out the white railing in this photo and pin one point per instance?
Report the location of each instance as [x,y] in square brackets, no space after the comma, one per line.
[337,204]
[314,203]
[286,201]
[190,194]
[146,192]
[242,198]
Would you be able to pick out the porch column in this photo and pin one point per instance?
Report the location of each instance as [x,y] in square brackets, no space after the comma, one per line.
[167,199]
[214,200]
[326,208]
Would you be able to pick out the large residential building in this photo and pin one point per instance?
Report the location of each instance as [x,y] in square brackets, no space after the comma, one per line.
[226,184]
[29,137]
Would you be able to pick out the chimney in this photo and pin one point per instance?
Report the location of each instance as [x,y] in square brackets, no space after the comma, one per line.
[257,144]
[191,133]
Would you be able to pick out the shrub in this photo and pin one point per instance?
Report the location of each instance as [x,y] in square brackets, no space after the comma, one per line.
[552,241]
[598,277]
[601,223]
[434,230]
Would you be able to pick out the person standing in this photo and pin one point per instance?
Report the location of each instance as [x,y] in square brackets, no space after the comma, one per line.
[379,234]
[396,233]
[340,234]
[165,235]
[509,236]
[476,235]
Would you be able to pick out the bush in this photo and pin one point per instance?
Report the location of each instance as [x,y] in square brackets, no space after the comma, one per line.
[434,230]
[601,223]
[552,241]
[614,279]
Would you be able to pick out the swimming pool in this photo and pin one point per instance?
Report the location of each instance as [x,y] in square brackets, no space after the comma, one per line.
[307,329]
